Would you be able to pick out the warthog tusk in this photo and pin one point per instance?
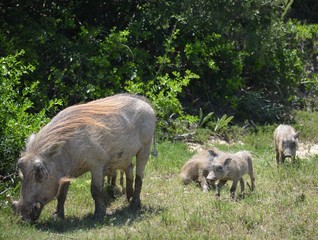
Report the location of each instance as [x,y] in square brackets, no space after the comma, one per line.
[38,205]
[9,198]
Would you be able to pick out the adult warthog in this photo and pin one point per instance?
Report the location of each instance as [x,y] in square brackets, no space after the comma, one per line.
[96,136]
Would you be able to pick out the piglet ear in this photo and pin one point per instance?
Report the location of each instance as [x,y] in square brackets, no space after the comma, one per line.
[40,170]
[213,153]
[297,135]
[227,161]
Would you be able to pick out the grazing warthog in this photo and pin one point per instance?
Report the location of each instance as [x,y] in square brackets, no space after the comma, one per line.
[197,169]
[231,166]
[96,136]
[286,143]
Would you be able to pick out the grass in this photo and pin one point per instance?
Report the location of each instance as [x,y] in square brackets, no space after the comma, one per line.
[306,123]
[283,206]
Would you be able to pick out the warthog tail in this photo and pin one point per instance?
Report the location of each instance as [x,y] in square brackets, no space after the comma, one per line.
[154,151]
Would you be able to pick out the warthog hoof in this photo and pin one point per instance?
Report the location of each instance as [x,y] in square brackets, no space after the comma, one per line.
[135,204]
[99,215]
[58,215]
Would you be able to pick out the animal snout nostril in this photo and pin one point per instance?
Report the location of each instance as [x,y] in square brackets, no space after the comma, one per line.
[209,178]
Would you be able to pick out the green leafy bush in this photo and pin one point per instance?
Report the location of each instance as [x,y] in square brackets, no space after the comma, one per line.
[224,57]
[18,119]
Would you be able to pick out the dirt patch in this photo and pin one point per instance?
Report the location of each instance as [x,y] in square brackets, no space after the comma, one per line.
[305,150]
[212,141]
[196,147]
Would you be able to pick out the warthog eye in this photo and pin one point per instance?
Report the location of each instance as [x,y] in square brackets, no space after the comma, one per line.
[219,169]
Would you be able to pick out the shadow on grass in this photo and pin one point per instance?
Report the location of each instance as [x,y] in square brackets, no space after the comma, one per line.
[119,217]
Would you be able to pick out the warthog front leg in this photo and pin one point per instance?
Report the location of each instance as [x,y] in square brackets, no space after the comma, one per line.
[203,181]
[278,157]
[219,186]
[233,189]
[61,197]
[282,158]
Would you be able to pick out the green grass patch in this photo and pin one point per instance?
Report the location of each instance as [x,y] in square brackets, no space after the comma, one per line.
[306,123]
[283,205]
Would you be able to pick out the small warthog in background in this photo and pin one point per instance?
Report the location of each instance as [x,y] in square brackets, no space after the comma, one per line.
[286,143]
[96,136]
[111,175]
[197,168]
[231,166]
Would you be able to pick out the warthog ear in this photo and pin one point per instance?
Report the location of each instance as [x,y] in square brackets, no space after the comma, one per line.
[297,135]
[227,161]
[40,170]
[213,153]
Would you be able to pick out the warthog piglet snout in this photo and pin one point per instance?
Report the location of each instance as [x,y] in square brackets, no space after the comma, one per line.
[211,177]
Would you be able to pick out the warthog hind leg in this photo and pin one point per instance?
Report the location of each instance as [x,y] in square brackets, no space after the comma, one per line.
[98,193]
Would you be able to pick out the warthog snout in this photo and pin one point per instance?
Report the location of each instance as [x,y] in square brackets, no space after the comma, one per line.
[30,212]
[288,153]
[211,177]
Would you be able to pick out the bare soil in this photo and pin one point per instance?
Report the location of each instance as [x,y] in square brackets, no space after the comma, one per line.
[305,150]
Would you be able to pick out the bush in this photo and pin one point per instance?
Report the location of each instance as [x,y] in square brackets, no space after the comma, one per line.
[18,119]
[182,55]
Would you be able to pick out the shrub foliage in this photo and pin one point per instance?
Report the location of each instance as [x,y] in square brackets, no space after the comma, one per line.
[243,59]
